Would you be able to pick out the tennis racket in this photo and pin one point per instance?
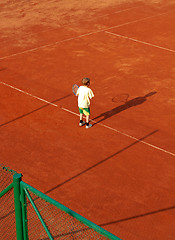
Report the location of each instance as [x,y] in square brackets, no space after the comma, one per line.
[75,89]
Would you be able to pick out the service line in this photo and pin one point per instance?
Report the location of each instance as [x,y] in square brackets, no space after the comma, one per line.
[142,42]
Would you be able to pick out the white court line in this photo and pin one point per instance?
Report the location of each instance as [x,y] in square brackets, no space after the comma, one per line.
[145,43]
[48,45]
[84,35]
[120,11]
[103,125]
[65,25]
[68,24]
[139,20]
[26,93]
[124,134]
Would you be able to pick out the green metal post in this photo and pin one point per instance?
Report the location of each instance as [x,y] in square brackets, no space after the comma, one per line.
[18,212]
[24,213]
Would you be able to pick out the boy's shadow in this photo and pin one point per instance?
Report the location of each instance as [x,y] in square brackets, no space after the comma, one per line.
[131,103]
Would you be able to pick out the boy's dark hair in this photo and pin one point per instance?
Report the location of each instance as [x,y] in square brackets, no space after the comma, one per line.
[86,81]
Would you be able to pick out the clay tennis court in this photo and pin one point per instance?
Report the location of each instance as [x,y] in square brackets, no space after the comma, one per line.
[118,174]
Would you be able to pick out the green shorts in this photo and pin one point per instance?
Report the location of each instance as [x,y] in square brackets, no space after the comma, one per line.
[85,111]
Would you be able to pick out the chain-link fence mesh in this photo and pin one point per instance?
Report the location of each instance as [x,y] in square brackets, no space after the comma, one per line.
[6,177]
[60,224]
[42,217]
[7,210]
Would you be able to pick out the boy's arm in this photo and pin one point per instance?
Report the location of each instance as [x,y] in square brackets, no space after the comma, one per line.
[91,94]
[77,93]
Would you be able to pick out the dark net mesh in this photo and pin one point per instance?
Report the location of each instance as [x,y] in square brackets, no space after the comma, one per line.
[60,224]
[7,210]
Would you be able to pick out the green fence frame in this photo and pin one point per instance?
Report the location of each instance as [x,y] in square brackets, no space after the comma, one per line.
[21,195]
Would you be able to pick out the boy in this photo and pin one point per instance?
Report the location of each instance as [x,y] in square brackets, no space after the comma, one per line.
[84,94]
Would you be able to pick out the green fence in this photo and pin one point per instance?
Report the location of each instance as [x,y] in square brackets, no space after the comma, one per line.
[7,208]
[28,214]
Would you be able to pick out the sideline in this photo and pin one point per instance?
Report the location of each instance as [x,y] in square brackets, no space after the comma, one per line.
[103,125]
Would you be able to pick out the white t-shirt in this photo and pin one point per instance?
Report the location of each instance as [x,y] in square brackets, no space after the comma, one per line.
[84,95]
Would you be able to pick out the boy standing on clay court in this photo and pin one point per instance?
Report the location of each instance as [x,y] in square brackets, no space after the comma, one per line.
[84,94]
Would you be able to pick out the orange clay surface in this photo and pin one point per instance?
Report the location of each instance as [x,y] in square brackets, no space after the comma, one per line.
[119,173]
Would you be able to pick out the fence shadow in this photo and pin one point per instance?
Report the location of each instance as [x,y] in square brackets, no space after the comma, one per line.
[131,103]
[100,162]
[138,216]
[35,110]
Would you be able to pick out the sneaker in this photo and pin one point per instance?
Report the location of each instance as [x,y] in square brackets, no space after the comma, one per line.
[90,125]
[81,124]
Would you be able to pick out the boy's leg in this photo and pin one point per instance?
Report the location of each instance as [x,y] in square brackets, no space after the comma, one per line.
[87,119]
[88,125]
[81,123]
[81,117]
